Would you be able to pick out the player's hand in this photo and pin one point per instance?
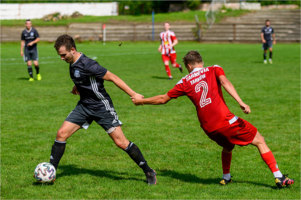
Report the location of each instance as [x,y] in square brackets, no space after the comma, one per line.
[274,42]
[263,41]
[74,91]
[136,99]
[160,49]
[246,109]
[22,54]
[30,44]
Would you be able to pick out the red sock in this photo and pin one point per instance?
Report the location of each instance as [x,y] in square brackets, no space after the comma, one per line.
[177,65]
[269,159]
[168,70]
[226,162]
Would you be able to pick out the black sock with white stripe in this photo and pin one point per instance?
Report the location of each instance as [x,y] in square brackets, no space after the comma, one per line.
[29,70]
[57,151]
[135,153]
[37,69]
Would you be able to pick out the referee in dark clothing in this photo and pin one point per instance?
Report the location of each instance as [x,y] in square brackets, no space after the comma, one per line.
[29,39]
[95,104]
[268,39]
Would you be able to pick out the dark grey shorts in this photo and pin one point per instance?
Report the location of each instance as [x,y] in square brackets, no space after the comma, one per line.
[30,55]
[267,45]
[83,117]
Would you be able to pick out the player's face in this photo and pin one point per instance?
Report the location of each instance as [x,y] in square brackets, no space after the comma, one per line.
[67,56]
[28,24]
[166,26]
[267,23]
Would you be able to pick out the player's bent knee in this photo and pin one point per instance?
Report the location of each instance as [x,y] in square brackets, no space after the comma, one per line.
[62,135]
[121,144]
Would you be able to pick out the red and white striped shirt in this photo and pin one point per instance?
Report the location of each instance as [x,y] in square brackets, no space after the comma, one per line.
[167,39]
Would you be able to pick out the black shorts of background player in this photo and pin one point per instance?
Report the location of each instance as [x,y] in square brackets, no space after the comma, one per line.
[95,104]
[268,39]
[29,39]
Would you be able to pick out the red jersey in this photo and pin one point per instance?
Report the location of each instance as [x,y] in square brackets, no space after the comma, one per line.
[203,88]
[167,38]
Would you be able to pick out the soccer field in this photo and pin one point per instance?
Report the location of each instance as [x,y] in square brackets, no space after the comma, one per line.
[187,162]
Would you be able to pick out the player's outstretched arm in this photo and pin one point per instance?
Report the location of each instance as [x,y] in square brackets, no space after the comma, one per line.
[121,84]
[231,90]
[156,100]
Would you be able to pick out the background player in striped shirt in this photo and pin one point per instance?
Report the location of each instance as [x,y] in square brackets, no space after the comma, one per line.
[95,104]
[203,87]
[168,41]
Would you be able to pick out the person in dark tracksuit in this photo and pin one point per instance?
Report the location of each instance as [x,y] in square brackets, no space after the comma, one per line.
[268,39]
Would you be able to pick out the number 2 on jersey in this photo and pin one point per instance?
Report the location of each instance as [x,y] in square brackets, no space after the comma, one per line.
[203,100]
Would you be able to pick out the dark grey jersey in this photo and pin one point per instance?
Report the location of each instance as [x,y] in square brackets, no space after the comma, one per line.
[267,33]
[88,75]
[30,36]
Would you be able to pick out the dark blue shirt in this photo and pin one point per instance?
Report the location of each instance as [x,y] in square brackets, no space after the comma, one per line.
[267,33]
[88,75]
[30,36]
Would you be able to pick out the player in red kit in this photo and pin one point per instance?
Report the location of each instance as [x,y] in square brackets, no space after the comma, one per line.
[168,41]
[203,88]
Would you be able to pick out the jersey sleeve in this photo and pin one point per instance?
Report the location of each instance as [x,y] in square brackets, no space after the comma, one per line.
[22,36]
[262,30]
[36,34]
[96,70]
[272,30]
[177,91]
[173,36]
[218,71]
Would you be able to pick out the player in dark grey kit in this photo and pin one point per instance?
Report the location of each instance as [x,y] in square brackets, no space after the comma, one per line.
[29,39]
[268,39]
[95,104]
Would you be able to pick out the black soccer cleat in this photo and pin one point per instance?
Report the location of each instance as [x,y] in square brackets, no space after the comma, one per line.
[170,78]
[225,182]
[284,181]
[151,177]
[181,69]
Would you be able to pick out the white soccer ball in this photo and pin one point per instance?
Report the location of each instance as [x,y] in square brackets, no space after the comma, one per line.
[45,172]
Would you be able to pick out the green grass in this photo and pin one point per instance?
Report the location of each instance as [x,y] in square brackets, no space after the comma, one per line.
[187,162]
[161,17]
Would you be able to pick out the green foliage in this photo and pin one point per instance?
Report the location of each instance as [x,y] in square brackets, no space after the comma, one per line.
[193,5]
[187,162]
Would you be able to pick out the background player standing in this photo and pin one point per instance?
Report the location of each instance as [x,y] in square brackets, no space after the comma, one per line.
[95,104]
[168,41]
[29,39]
[203,88]
[268,39]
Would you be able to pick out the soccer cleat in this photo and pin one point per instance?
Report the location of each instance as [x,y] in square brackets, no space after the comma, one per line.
[151,177]
[284,181]
[271,62]
[265,62]
[39,77]
[225,182]
[170,78]
[31,79]
[181,69]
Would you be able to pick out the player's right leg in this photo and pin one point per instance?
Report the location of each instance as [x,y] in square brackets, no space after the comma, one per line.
[27,59]
[269,159]
[165,59]
[173,58]
[271,52]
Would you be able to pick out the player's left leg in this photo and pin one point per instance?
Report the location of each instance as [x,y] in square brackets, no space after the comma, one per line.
[173,58]
[36,64]
[269,159]
[134,152]
[271,54]
[226,163]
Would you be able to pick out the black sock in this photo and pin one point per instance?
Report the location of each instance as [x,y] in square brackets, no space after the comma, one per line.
[135,153]
[57,152]
[37,69]
[271,53]
[264,56]
[29,70]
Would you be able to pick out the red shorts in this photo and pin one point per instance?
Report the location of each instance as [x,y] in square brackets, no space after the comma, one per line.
[241,132]
[172,57]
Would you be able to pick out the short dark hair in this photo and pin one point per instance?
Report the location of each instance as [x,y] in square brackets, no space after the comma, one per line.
[28,20]
[267,20]
[64,40]
[192,57]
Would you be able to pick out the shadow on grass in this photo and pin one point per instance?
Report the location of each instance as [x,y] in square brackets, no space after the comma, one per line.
[188,177]
[194,179]
[23,78]
[159,77]
[67,170]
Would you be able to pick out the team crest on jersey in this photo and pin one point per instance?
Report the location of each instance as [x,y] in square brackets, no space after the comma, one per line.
[31,34]
[76,74]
